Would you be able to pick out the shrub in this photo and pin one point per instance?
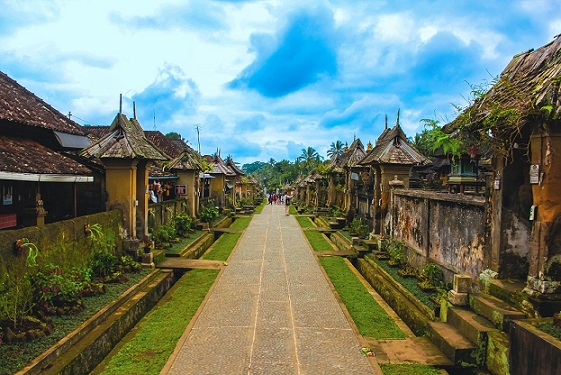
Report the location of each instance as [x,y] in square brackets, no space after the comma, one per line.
[358,228]
[163,234]
[396,253]
[54,293]
[103,263]
[433,274]
[183,224]
[209,212]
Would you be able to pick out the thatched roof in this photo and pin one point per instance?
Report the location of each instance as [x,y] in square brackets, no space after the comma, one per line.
[392,147]
[349,158]
[124,140]
[528,88]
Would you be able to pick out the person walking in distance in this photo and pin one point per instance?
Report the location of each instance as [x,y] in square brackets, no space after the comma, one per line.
[287,199]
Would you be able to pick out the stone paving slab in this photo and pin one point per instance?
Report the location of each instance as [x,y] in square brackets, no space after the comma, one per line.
[271,312]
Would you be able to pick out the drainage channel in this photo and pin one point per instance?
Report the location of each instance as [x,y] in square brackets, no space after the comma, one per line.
[100,337]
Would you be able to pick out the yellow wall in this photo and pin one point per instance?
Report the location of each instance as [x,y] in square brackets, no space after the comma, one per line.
[121,185]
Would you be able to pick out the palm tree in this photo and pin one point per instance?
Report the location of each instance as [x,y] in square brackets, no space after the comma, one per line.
[309,159]
[335,149]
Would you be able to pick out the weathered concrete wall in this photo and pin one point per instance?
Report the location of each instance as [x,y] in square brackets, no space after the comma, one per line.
[449,229]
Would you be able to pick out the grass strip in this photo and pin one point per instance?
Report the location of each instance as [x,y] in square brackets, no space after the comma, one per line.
[318,241]
[148,351]
[305,222]
[241,223]
[158,332]
[260,208]
[370,318]
[222,247]
[292,210]
[413,369]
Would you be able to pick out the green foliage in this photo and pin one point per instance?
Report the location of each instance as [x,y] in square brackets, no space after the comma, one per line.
[163,234]
[408,369]
[222,247]
[103,263]
[433,274]
[55,293]
[183,224]
[209,212]
[15,297]
[335,149]
[409,283]
[318,241]
[434,136]
[241,223]
[335,211]
[395,250]
[358,228]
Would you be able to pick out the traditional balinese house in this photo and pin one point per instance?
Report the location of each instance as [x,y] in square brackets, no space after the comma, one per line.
[337,176]
[353,177]
[41,178]
[240,181]
[391,159]
[180,177]
[520,119]
[221,181]
[187,166]
[126,155]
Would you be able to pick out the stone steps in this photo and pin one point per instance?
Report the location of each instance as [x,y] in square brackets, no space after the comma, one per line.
[497,311]
[450,341]
[473,326]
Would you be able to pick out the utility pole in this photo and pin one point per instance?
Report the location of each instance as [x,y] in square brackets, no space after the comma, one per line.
[197,126]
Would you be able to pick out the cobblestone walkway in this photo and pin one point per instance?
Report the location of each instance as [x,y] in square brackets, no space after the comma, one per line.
[271,312]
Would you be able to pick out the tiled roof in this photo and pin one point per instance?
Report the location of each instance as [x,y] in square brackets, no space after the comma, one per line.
[20,106]
[171,148]
[21,155]
[125,140]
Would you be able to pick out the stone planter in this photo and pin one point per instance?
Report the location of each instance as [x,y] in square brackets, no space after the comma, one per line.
[533,351]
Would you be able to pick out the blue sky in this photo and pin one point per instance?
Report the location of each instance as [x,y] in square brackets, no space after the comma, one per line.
[265,79]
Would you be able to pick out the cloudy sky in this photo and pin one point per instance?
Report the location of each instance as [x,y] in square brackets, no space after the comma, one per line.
[264,79]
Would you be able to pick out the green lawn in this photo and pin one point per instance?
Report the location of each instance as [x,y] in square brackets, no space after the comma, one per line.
[318,241]
[370,319]
[305,222]
[158,332]
[241,223]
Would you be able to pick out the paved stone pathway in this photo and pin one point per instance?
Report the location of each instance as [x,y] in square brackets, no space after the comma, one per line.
[270,312]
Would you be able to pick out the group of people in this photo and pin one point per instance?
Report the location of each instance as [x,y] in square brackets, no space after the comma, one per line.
[281,198]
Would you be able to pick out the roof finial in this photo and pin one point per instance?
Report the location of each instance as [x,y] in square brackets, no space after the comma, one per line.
[134,110]
[120,104]
[386,121]
[397,119]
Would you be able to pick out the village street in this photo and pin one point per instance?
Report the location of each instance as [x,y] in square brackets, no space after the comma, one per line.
[271,311]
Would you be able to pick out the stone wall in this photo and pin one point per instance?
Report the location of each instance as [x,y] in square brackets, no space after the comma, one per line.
[63,243]
[449,229]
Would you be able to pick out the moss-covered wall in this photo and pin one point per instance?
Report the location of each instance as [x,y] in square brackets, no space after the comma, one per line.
[63,243]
